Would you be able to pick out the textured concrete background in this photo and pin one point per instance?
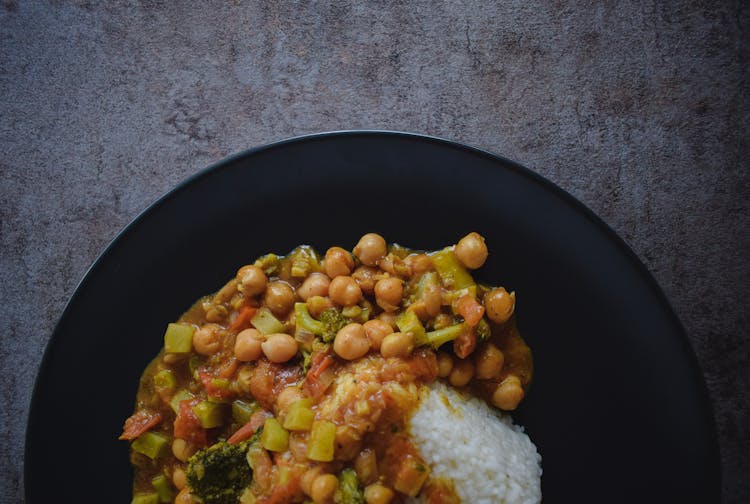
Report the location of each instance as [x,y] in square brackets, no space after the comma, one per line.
[639,109]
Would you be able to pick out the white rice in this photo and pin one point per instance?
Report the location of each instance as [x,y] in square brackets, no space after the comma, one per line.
[488,459]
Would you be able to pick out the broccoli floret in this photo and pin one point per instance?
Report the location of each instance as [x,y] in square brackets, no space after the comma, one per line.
[349,492]
[269,263]
[304,261]
[483,330]
[334,321]
[220,473]
[329,323]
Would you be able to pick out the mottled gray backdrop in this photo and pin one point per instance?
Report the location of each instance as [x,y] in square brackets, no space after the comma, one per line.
[639,109]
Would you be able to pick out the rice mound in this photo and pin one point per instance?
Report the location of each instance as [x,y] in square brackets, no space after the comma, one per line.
[487,457]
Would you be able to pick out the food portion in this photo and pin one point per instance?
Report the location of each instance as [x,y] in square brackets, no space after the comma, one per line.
[376,375]
[491,459]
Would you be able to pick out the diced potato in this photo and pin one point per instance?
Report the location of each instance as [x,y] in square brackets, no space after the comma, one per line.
[275,437]
[300,415]
[178,338]
[321,444]
[150,444]
[210,414]
[265,322]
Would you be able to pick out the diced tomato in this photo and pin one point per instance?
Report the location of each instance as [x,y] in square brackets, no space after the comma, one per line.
[287,491]
[228,368]
[261,384]
[465,344]
[215,387]
[470,309]
[268,380]
[187,426]
[262,469]
[243,319]
[140,422]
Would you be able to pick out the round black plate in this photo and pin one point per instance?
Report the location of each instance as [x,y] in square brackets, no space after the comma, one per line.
[618,408]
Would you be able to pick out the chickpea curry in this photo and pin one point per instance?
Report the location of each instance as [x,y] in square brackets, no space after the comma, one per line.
[294,382]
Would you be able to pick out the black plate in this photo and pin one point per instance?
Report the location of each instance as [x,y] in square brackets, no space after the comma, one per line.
[618,408]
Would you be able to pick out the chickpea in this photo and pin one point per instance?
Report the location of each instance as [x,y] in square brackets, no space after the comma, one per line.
[366,465]
[287,397]
[366,276]
[323,488]
[419,263]
[252,280]
[471,251]
[208,338]
[397,344]
[388,318]
[338,262]
[216,313]
[433,299]
[344,291]
[489,362]
[247,345]
[184,497]
[298,446]
[173,358]
[508,393]
[227,292]
[376,330]
[351,342]
[318,304]
[314,285]
[378,494]
[179,478]
[308,478]
[499,304]
[279,297]
[183,450]
[388,293]
[279,347]
[445,364]
[370,249]
[463,371]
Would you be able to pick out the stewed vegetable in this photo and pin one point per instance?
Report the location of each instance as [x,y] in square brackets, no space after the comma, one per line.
[294,382]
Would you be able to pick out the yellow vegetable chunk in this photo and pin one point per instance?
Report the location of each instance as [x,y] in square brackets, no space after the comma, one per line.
[210,414]
[300,415]
[408,322]
[150,444]
[178,338]
[274,438]
[453,275]
[321,444]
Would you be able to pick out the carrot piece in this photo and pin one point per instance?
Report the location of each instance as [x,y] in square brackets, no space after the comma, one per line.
[320,364]
[243,319]
[251,427]
[314,386]
[140,422]
[470,309]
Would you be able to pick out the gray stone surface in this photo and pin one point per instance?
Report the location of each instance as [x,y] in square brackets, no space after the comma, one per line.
[639,109]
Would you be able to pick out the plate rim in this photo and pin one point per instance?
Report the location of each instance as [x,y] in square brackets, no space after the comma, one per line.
[703,397]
